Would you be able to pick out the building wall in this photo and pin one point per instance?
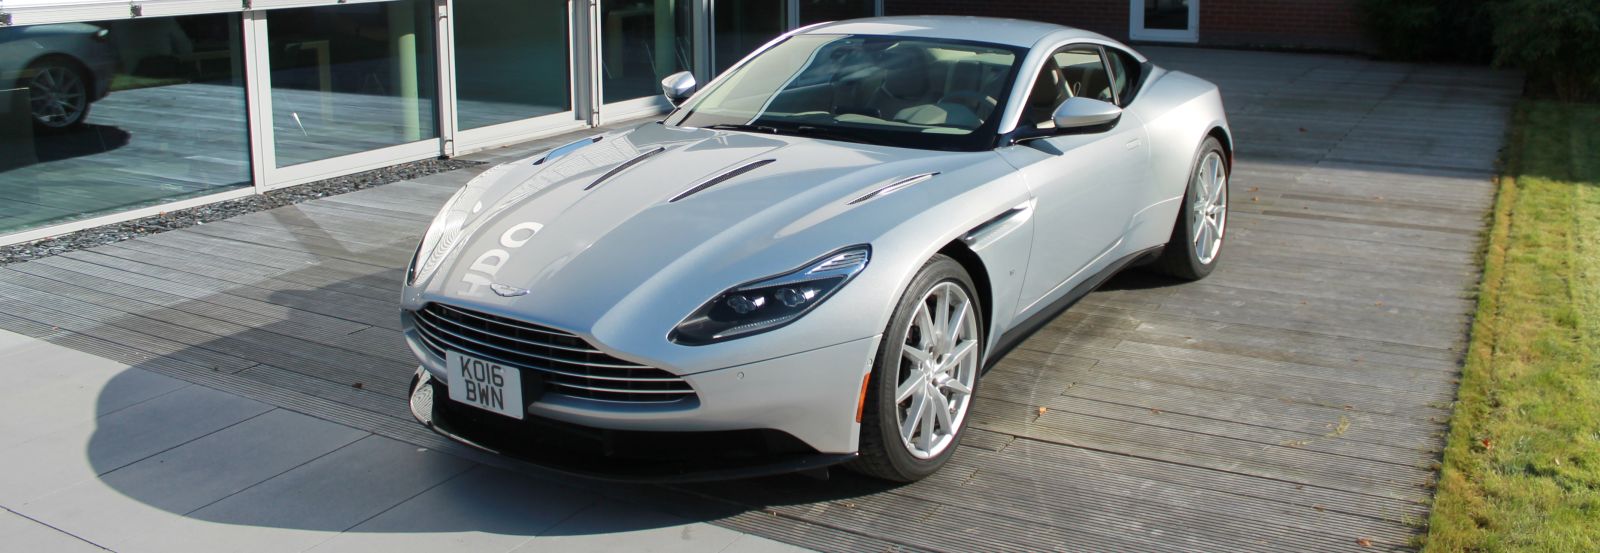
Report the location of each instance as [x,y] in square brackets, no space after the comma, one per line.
[1297,24]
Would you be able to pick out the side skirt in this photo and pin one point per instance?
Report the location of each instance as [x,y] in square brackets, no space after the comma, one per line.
[1014,337]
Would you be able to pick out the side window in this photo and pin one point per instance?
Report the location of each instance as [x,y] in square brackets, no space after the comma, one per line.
[1085,73]
[1047,92]
[1125,74]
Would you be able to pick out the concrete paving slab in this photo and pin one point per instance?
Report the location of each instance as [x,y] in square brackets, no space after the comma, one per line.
[83,451]
[486,509]
[211,468]
[58,399]
[614,526]
[339,490]
[24,535]
[49,387]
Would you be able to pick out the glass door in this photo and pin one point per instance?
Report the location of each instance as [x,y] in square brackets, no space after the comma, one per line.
[738,27]
[1164,20]
[344,88]
[640,42]
[513,67]
[817,11]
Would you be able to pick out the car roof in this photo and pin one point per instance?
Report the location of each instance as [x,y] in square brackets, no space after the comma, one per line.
[994,30]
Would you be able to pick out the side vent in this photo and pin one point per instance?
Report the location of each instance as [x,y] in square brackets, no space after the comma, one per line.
[893,187]
[713,181]
[624,167]
[562,151]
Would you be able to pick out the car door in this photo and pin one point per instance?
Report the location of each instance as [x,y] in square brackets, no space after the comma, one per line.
[1086,182]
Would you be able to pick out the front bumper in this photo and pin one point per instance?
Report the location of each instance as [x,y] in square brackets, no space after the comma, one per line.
[781,415]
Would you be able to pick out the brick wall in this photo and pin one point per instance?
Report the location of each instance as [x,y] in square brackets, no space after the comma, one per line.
[1311,24]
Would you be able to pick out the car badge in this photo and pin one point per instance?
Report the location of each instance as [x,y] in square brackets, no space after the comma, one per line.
[507,291]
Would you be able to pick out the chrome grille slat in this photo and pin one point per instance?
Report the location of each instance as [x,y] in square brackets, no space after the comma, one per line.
[569,365]
[435,326]
[496,320]
[479,352]
[614,390]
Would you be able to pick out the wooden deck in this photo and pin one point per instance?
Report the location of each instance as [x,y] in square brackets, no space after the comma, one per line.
[1296,400]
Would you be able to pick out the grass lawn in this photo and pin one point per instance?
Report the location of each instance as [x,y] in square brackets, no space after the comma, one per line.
[1522,467]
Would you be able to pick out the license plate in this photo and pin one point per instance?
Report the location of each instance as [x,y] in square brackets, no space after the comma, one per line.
[485,384]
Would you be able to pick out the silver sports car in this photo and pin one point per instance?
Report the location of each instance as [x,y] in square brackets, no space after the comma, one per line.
[814,257]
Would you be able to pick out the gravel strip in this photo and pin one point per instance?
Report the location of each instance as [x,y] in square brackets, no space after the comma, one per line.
[117,232]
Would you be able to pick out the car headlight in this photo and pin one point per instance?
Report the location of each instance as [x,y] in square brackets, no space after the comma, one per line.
[771,302]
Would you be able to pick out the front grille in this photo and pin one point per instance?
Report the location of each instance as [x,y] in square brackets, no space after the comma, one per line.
[566,364]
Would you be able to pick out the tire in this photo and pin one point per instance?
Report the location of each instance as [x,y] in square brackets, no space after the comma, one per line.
[950,373]
[59,92]
[1204,211]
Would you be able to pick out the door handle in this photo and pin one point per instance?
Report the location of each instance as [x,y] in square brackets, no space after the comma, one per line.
[1133,144]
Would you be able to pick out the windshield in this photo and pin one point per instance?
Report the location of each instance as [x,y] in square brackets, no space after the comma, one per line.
[925,93]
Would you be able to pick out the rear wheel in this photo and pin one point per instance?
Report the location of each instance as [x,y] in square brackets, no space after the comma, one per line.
[925,376]
[1196,241]
[58,93]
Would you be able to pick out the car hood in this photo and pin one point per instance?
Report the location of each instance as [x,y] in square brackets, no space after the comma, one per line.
[611,248]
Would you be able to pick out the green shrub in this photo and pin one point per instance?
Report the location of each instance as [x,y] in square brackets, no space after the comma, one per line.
[1557,42]
[1431,30]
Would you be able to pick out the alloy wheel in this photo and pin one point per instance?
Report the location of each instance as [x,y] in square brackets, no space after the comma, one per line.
[1209,212]
[938,368]
[57,96]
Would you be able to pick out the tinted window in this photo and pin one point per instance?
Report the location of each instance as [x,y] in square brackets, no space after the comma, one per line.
[1085,74]
[1125,73]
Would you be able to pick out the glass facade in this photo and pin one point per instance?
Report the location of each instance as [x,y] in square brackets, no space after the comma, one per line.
[641,42]
[513,60]
[817,11]
[740,26]
[351,78]
[102,117]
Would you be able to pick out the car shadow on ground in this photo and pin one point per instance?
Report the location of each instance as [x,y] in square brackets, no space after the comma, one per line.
[336,448]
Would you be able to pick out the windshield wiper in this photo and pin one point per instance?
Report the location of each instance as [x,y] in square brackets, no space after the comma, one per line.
[794,130]
[819,132]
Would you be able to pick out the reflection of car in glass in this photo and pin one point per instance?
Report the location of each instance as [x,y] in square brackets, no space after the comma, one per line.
[64,67]
[812,259]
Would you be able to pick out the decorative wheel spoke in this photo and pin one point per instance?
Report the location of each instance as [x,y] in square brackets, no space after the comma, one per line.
[960,352]
[913,415]
[910,386]
[916,355]
[940,406]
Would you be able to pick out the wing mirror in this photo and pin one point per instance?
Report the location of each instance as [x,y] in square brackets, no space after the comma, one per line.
[1079,113]
[678,87]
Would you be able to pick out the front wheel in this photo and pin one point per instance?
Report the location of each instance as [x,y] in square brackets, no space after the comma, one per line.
[926,373]
[1196,241]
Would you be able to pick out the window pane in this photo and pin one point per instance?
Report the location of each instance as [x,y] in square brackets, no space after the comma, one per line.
[741,26]
[817,11]
[512,60]
[642,41]
[1166,14]
[351,78]
[102,117]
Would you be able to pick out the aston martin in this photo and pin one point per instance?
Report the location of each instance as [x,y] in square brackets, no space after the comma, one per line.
[812,259]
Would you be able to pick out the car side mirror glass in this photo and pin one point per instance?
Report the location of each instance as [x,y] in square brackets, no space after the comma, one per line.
[1079,113]
[678,87]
